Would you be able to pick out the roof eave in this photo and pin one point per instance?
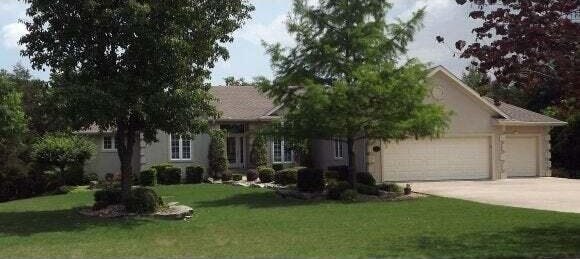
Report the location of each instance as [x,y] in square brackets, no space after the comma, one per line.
[530,123]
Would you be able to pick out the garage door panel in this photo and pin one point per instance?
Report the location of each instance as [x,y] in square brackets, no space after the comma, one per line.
[521,156]
[440,159]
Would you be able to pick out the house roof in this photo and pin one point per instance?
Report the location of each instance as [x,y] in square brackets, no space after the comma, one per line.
[242,103]
[518,114]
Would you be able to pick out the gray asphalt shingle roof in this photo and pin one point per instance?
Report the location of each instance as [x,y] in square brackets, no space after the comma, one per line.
[241,103]
[521,114]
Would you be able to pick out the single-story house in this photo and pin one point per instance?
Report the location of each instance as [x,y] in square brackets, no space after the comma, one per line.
[486,140]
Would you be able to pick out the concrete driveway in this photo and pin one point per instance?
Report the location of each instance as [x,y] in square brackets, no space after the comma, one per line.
[544,193]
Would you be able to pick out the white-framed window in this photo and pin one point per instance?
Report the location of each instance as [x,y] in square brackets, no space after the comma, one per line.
[110,143]
[180,147]
[338,148]
[281,152]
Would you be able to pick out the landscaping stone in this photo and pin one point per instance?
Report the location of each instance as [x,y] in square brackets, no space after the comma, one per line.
[175,212]
[171,211]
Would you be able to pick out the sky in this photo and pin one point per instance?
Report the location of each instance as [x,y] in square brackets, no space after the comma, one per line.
[247,56]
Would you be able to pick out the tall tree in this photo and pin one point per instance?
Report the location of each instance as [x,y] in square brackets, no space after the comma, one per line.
[232,81]
[344,79]
[529,44]
[477,80]
[136,66]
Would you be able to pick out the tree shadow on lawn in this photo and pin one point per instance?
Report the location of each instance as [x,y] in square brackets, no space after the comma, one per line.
[559,241]
[25,223]
[258,200]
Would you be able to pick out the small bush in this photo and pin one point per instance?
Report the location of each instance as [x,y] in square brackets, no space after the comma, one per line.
[266,174]
[252,175]
[286,176]
[310,180]
[391,187]
[342,171]
[108,197]
[169,175]
[109,177]
[277,167]
[367,189]
[332,175]
[335,189]
[349,195]
[366,179]
[226,177]
[143,200]
[148,177]
[237,177]
[92,177]
[194,174]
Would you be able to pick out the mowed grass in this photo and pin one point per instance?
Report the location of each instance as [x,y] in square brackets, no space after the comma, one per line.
[236,221]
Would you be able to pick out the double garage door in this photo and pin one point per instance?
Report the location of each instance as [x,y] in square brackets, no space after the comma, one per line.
[461,158]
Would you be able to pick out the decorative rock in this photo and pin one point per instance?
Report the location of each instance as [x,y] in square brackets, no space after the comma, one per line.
[93,185]
[175,212]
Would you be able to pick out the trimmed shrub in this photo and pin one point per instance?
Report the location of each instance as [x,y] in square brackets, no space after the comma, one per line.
[335,189]
[366,179]
[252,175]
[143,200]
[367,189]
[349,195]
[266,174]
[218,161]
[169,176]
[258,153]
[108,197]
[92,177]
[286,176]
[391,187]
[194,174]
[277,167]
[342,171]
[332,175]
[148,177]
[237,177]
[226,177]
[310,180]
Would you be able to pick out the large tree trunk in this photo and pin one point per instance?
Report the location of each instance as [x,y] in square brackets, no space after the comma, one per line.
[351,161]
[126,137]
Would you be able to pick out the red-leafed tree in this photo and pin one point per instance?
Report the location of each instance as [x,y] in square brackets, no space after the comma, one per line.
[528,44]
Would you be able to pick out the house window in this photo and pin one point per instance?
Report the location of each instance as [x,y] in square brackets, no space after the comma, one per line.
[180,147]
[110,143]
[338,148]
[281,152]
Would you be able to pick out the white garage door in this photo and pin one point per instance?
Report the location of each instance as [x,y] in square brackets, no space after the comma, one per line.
[521,156]
[439,159]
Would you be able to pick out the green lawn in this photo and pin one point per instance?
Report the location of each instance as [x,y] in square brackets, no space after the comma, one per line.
[235,221]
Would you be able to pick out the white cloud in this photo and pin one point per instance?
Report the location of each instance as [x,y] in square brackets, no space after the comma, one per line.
[273,32]
[11,34]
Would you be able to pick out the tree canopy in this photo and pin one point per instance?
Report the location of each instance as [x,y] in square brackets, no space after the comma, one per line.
[345,78]
[134,66]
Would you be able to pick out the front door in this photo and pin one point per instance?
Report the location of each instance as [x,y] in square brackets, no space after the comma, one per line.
[235,150]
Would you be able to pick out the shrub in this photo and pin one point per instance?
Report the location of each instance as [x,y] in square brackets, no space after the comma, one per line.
[266,174]
[108,197]
[92,177]
[366,179]
[67,153]
[74,176]
[252,175]
[277,167]
[310,180]
[218,162]
[332,175]
[143,200]
[258,153]
[335,189]
[193,174]
[342,171]
[109,177]
[286,176]
[367,189]
[226,177]
[237,177]
[349,195]
[391,187]
[148,177]
[169,176]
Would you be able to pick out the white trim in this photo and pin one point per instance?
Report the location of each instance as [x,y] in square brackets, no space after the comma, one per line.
[467,89]
[282,154]
[336,142]
[529,123]
[180,150]
[113,144]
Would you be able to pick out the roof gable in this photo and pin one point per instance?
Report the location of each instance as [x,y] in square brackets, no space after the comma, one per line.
[241,103]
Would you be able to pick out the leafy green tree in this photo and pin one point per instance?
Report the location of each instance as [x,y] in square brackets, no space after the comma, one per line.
[477,80]
[217,156]
[63,152]
[232,81]
[133,66]
[12,117]
[345,79]
[258,153]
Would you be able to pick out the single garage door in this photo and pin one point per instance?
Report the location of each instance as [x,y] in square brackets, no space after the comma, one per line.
[521,156]
[439,159]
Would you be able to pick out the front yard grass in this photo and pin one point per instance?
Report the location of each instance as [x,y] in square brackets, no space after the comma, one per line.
[236,221]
